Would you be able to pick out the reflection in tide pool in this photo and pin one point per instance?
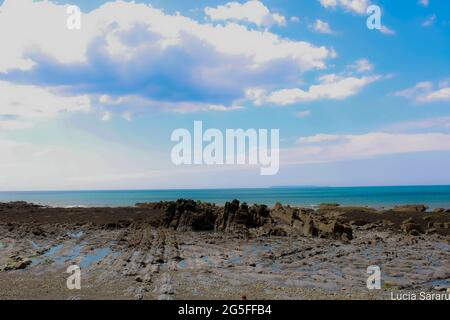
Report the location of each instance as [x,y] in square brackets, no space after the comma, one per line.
[98,255]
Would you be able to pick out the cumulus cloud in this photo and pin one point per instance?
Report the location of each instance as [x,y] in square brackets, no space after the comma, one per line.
[356,6]
[330,87]
[322,148]
[126,49]
[253,11]
[425,92]
[322,27]
[20,105]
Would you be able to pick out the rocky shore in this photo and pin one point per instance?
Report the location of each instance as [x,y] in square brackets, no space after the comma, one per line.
[193,250]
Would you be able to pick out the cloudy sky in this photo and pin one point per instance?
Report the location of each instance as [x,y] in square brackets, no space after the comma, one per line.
[94,108]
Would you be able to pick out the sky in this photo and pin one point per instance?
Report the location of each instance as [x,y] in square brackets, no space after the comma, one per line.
[94,108]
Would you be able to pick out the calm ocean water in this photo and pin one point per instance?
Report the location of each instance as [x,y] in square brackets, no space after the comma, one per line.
[433,196]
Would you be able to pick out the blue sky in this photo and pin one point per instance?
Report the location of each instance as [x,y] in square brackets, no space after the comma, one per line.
[94,108]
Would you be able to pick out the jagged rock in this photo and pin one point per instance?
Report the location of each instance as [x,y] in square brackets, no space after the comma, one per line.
[311,226]
[227,217]
[185,215]
[237,218]
[189,215]
[335,229]
[411,208]
[438,210]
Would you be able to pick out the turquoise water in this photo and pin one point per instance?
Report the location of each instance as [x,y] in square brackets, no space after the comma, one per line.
[433,196]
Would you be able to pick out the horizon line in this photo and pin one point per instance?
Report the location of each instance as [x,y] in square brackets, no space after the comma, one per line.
[225,188]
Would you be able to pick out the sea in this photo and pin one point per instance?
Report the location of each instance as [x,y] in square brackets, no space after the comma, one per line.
[377,197]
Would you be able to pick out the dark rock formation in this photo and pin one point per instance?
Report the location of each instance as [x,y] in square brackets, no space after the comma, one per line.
[311,224]
[186,215]
[189,215]
[236,218]
[410,208]
[330,221]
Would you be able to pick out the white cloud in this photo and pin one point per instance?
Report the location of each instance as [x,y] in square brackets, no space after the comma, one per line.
[108,100]
[442,94]
[113,20]
[362,65]
[253,11]
[429,21]
[424,3]
[357,6]
[437,123]
[14,124]
[256,95]
[22,104]
[330,148]
[317,138]
[322,27]
[37,26]
[411,93]
[424,92]
[303,114]
[330,87]
[123,49]
[295,19]
[137,104]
